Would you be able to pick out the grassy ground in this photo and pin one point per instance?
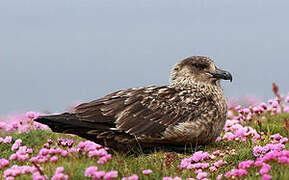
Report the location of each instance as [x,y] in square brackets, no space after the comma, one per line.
[158,162]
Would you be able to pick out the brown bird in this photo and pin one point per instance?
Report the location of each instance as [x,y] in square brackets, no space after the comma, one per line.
[191,110]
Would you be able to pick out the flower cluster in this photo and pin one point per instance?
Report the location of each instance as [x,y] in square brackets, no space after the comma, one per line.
[4,163]
[132,177]
[6,140]
[22,154]
[94,173]
[21,123]
[234,131]
[201,161]
[65,142]
[17,171]
[262,162]
[59,174]
[49,153]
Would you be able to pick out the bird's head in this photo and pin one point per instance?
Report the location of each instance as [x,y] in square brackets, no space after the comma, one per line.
[197,69]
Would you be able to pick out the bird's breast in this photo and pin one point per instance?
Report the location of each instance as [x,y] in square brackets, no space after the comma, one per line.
[204,128]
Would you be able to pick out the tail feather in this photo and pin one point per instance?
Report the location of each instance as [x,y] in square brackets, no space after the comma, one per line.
[69,123]
[102,133]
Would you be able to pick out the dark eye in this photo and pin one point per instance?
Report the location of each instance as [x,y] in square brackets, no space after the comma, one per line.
[199,66]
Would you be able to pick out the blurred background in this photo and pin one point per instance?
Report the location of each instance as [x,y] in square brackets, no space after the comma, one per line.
[56,53]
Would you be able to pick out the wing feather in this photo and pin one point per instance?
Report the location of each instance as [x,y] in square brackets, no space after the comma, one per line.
[144,111]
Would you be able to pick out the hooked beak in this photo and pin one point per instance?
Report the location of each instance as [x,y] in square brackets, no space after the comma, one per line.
[221,74]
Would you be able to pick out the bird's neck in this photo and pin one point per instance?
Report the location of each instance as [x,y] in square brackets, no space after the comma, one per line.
[187,83]
[212,89]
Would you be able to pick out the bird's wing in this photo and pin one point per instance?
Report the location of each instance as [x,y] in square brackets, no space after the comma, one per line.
[144,111]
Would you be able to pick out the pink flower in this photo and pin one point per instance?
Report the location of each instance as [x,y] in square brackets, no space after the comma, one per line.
[265,169]
[283,160]
[236,173]
[102,160]
[287,99]
[33,159]
[198,171]
[100,152]
[177,178]
[111,175]
[46,145]
[8,139]
[13,157]
[275,104]
[4,163]
[200,156]
[133,177]
[219,163]
[16,144]
[229,136]
[64,153]
[241,132]
[98,174]
[42,159]
[23,157]
[91,146]
[202,175]
[38,177]
[72,150]
[81,145]
[213,169]
[263,105]
[90,170]
[258,151]
[246,111]
[230,114]
[218,139]
[49,141]
[44,152]
[284,140]
[256,110]
[29,150]
[219,177]
[266,177]
[58,151]
[200,165]
[276,137]
[32,115]
[59,170]
[147,171]
[2,125]
[213,157]
[237,108]
[228,174]
[64,142]
[108,157]
[242,172]
[246,164]
[164,178]
[53,159]
[15,171]
[59,175]
[272,155]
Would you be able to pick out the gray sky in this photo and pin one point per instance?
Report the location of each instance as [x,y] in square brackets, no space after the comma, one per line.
[54,53]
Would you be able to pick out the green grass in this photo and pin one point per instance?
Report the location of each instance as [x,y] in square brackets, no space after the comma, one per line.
[127,165]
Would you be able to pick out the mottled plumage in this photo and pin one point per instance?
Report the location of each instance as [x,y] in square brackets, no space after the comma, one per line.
[192,109]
